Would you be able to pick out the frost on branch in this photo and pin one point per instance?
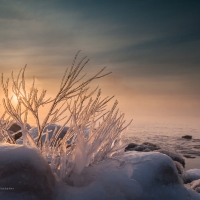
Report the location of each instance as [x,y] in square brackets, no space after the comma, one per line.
[5,124]
[74,105]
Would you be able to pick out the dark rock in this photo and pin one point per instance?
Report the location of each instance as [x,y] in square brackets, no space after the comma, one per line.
[188,156]
[144,147]
[151,146]
[190,152]
[139,148]
[130,146]
[147,150]
[196,146]
[14,128]
[189,137]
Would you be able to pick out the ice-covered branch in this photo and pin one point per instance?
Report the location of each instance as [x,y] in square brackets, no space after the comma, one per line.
[94,131]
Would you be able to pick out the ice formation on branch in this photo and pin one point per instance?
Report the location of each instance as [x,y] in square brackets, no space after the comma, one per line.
[74,105]
[5,136]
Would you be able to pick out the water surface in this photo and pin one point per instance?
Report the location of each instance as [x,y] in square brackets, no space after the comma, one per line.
[169,137]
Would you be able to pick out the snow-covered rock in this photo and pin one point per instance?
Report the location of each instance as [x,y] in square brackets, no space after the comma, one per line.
[148,147]
[137,176]
[174,156]
[34,132]
[24,174]
[188,137]
[191,175]
[145,147]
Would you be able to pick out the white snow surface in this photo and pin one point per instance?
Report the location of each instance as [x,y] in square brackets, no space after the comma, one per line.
[134,176]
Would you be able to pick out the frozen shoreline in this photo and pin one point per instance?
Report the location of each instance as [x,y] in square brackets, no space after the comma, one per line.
[137,176]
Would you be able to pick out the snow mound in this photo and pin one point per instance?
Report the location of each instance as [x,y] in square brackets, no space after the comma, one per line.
[142,176]
[24,174]
[133,175]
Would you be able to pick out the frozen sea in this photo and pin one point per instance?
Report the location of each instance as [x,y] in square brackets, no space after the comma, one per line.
[169,136]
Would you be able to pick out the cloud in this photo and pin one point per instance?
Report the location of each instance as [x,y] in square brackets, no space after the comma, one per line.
[152,47]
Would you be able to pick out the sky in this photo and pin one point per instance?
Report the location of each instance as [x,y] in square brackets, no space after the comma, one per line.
[151,47]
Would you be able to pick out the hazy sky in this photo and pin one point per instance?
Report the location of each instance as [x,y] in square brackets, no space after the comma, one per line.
[152,47]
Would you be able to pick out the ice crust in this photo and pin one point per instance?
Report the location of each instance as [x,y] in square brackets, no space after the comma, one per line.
[133,175]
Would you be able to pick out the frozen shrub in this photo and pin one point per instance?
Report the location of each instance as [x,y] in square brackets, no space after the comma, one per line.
[74,105]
